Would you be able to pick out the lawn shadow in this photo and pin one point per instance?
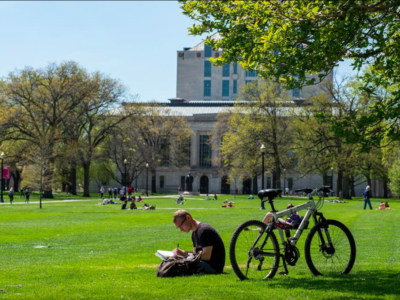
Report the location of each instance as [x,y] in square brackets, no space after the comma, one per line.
[378,284]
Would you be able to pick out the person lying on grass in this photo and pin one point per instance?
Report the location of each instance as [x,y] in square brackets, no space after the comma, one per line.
[293,220]
[205,239]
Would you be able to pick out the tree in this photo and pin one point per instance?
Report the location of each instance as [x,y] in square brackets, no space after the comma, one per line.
[260,117]
[159,135]
[300,42]
[39,100]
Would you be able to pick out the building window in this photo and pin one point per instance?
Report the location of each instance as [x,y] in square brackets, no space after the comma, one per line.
[269,182]
[296,93]
[207,51]
[164,154]
[251,73]
[162,181]
[235,68]
[205,151]
[207,68]
[329,180]
[225,88]
[207,88]
[235,86]
[184,152]
[225,70]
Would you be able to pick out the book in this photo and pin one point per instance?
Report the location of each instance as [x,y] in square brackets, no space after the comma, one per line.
[164,254]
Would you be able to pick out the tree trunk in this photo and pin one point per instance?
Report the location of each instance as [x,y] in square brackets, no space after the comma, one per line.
[153,182]
[346,187]
[86,179]
[72,179]
[352,187]
[339,185]
[16,178]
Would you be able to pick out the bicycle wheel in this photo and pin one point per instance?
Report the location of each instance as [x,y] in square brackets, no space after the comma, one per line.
[254,254]
[330,248]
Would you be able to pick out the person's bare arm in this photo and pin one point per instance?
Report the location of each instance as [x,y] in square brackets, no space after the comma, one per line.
[206,253]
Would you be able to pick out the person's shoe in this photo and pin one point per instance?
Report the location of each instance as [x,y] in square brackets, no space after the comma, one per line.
[262,208]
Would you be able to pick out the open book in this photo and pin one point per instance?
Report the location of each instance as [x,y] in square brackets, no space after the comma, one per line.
[163,254]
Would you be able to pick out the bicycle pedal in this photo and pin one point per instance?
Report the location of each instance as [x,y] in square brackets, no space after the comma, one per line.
[283,273]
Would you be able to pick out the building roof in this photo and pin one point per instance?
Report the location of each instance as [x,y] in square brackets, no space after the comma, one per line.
[200,46]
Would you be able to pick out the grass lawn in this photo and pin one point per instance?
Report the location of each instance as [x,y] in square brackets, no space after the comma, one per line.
[81,250]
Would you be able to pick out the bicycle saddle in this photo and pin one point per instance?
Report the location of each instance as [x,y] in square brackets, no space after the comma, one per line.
[325,189]
[305,190]
[271,193]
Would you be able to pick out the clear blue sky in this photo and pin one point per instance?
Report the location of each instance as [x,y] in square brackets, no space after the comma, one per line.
[134,41]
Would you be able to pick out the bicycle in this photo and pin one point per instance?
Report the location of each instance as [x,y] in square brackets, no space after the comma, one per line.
[255,253]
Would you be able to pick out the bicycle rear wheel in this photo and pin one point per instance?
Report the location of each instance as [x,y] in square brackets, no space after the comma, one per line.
[254,253]
[330,248]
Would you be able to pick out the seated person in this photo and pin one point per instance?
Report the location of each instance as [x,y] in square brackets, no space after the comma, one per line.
[382,205]
[215,197]
[206,241]
[104,201]
[293,220]
[207,197]
[387,205]
[179,200]
[133,205]
[148,207]
[140,199]
[124,204]
[251,197]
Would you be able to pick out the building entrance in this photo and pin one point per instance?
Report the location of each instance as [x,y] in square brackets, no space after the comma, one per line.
[204,184]
[225,185]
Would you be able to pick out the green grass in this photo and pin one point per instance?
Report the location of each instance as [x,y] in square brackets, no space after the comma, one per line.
[101,252]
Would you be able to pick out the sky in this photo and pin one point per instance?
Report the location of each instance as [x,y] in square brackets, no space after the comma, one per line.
[133,41]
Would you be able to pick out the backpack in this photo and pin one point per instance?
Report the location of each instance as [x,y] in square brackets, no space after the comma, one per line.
[179,266]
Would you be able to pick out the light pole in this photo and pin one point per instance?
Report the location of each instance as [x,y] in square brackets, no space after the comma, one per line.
[125,177]
[2,180]
[332,179]
[262,150]
[147,179]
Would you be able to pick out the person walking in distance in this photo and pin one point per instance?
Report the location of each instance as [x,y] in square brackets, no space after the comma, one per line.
[367,197]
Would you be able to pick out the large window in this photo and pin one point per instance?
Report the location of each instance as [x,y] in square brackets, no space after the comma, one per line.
[235,86]
[205,152]
[225,88]
[290,183]
[251,73]
[225,70]
[296,93]
[207,68]
[207,88]
[269,185]
[184,152]
[207,51]
[235,68]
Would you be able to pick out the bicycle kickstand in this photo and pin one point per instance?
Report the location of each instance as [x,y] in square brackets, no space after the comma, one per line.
[286,272]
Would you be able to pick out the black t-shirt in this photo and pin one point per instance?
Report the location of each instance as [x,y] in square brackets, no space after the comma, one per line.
[206,236]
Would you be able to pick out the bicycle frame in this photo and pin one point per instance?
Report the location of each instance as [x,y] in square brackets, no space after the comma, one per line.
[311,209]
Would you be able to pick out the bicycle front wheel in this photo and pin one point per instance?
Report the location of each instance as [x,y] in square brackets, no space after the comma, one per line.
[330,249]
[254,253]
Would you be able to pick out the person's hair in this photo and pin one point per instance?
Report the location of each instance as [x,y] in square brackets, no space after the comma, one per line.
[290,205]
[180,214]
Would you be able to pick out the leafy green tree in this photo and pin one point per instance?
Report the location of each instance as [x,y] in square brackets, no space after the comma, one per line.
[260,117]
[300,42]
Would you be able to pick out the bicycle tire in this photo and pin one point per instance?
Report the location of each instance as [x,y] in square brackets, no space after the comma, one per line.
[244,251]
[318,258]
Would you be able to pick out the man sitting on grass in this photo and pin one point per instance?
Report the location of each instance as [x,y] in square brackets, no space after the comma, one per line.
[205,240]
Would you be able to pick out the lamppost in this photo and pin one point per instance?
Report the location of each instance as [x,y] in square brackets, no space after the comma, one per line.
[125,177]
[2,180]
[332,179]
[284,181]
[147,179]
[262,150]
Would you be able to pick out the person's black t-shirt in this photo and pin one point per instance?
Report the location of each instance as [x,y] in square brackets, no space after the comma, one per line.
[206,236]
